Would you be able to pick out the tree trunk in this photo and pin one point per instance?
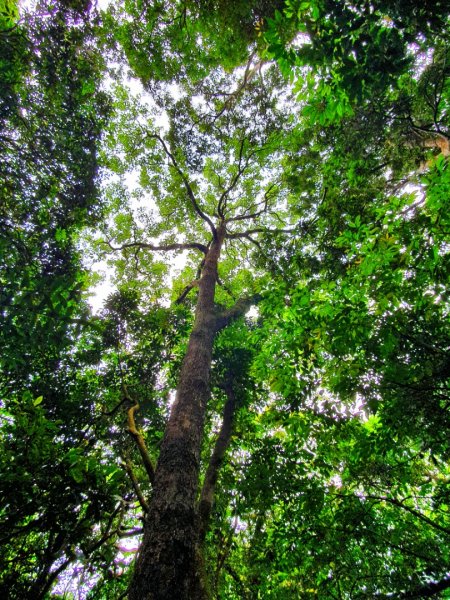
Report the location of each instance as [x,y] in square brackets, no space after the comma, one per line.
[169,566]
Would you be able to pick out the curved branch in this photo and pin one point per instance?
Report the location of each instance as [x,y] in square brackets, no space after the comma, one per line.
[186,183]
[137,436]
[140,443]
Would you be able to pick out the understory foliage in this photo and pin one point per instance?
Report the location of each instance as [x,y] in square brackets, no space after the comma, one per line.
[307,144]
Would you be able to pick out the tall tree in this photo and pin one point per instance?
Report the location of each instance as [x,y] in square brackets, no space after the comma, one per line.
[218,178]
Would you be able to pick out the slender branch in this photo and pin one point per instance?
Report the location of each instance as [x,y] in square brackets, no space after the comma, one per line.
[248,217]
[248,76]
[225,548]
[50,578]
[235,179]
[186,183]
[225,287]
[107,534]
[137,436]
[136,487]
[186,291]
[131,532]
[163,248]
[216,460]
[414,512]
[111,412]
[255,215]
[195,282]
[245,234]
[268,258]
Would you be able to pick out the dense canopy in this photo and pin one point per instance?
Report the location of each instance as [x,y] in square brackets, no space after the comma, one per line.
[261,406]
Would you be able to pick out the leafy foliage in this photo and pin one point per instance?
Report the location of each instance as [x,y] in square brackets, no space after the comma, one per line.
[316,135]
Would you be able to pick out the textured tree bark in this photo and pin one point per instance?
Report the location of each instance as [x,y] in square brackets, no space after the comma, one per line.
[169,564]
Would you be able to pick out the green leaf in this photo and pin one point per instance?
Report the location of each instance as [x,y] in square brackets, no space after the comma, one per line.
[37,400]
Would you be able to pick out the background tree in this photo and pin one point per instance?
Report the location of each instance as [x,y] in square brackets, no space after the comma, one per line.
[59,493]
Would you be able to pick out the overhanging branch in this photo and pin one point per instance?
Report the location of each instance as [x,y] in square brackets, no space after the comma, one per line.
[413,511]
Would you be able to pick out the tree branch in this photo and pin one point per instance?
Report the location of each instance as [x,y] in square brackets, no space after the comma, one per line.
[186,291]
[131,532]
[111,412]
[414,512]
[107,534]
[164,248]
[258,245]
[135,484]
[137,436]
[222,442]
[248,76]
[186,183]
[426,591]
[255,215]
[245,234]
[241,168]
[236,311]
[226,288]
